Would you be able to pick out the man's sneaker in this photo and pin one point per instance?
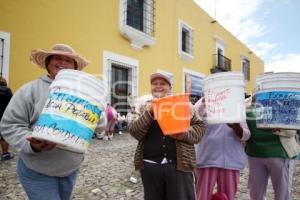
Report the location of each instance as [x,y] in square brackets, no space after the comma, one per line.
[7,156]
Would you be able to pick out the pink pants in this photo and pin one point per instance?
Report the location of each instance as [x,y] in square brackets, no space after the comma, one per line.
[110,125]
[206,178]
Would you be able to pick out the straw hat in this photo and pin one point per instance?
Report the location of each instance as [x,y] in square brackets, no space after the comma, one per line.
[39,56]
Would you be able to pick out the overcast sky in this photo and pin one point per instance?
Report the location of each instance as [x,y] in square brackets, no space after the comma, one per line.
[270,28]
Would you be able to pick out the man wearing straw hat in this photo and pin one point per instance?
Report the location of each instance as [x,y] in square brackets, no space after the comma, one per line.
[166,163]
[46,172]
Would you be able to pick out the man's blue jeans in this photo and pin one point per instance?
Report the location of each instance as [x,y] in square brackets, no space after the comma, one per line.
[43,187]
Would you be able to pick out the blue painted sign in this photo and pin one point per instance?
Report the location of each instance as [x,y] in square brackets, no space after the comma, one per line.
[193,84]
[278,109]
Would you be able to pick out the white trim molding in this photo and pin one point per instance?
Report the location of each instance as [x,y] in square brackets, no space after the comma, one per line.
[110,58]
[220,41]
[220,44]
[189,71]
[242,59]
[6,54]
[137,38]
[188,56]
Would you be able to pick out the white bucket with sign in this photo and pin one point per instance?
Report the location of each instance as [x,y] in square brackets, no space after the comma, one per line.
[224,97]
[74,106]
[278,100]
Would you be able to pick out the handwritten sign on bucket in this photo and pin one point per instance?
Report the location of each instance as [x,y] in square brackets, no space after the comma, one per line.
[172,113]
[215,101]
[278,109]
[225,105]
[224,97]
[72,111]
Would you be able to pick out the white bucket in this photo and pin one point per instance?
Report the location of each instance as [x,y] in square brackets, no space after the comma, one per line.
[224,97]
[72,111]
[278,100]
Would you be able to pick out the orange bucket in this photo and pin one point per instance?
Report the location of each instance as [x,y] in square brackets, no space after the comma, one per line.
[172,113]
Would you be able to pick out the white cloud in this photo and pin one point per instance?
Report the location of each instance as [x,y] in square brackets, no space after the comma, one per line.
[284,63]
[247,21]
[236,16]
[263,49]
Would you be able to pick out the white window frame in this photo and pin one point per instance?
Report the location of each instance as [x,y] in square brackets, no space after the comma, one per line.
[220,44]
[108,59]
[188,56]
[6,55]
[189,71]
[137,38]
[243,57]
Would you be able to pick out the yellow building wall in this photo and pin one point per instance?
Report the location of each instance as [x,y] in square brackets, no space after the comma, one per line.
[205,44]
[92,27]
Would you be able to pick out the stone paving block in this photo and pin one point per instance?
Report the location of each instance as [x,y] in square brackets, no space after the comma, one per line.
[108,166]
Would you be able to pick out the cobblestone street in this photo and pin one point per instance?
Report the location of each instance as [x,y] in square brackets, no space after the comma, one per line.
[105,175]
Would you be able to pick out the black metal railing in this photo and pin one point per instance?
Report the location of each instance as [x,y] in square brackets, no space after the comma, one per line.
[221,63]
[139,14]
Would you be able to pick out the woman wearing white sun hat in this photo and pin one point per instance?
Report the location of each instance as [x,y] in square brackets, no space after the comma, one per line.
[46,172]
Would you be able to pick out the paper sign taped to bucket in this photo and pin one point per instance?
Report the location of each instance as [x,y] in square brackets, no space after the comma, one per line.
[278,109]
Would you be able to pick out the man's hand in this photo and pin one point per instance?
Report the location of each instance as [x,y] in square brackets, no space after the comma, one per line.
[237,129]
[40,145]
[274,130]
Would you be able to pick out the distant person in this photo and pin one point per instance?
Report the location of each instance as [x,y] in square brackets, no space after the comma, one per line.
[130,100]
[5,96]
[45,172]
[99,132]
[166,163]
[141,101]
[121,123]
[112,118]
[130,115]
